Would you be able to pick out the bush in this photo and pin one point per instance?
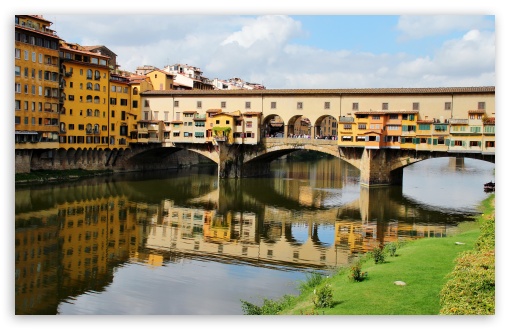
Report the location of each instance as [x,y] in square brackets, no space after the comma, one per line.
[356,273]
[378,255]
[269,307]
[391,248]
[471,287]
[323,297]
[312,281]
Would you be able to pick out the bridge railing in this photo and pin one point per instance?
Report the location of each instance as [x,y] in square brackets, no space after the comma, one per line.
[300,141]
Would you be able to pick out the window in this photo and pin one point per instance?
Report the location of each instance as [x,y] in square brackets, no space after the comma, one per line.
[385,106]
[481,105]
[394,116]
[326,105]
[247,105]
[376,117]
[199,104]
[273,105]
[89,74]
[135,104]
[113,101]
[355,106]
[416,106]
[362,126]
[17,71]
[424,127]
[17,53]
[176,104]
[17,88]
[146,103]
[448,105]
[249,124]
[300,105]
[223,104]
[113,113]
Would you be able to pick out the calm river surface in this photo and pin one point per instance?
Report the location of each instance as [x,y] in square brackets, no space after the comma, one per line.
[183,242]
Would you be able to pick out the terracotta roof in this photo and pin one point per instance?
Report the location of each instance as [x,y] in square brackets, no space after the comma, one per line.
[189,111]
[347,91]
[214,110]
[477,111]
[252,113]
[428,121]
[490,121]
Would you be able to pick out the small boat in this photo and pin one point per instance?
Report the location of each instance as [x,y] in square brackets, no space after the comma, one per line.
[489,186]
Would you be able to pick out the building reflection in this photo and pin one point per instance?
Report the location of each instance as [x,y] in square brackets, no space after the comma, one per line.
[75,246]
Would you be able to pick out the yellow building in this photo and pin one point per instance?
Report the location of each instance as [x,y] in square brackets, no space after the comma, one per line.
[37,83]
[121,116]
[84,118]
[137,85]
[161,80]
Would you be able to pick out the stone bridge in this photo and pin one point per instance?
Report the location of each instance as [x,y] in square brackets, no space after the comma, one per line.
[377,166]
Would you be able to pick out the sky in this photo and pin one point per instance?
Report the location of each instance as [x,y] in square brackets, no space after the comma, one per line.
[300,51]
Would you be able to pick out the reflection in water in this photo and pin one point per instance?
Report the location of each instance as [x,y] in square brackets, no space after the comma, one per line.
[186,238]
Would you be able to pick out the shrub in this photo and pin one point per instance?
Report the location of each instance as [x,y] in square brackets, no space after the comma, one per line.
[312,281]
[471,287]
[356,273]
[391,248]
[378,255]
[269,307]
[323,296]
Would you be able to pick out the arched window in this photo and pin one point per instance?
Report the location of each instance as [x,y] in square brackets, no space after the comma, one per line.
[135,91]
[96,128]
[96,113]
[97,87]
[89,128]
[89,112]
[89,86]
[62,127]
[97,75]
[89,98]
[96,99]
[89,74]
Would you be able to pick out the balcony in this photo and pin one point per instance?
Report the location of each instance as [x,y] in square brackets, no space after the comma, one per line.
[458,121]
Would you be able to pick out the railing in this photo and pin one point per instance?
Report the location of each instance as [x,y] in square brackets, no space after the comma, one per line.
[301,141]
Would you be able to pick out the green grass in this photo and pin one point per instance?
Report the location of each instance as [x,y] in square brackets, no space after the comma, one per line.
[425,265]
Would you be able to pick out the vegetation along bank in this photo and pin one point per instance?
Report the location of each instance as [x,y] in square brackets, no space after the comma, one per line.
[429,276]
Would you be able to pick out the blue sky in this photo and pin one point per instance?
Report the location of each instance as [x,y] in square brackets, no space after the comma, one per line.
[303,51]
[369,43]
[315,45]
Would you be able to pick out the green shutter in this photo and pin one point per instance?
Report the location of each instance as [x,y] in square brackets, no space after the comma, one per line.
[435,142]
[404,128]
[447,142]
[429,141]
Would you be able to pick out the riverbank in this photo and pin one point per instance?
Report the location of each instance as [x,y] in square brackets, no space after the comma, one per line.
[426,269]
[56,176]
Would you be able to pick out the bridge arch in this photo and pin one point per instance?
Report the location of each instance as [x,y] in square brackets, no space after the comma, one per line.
[272,124]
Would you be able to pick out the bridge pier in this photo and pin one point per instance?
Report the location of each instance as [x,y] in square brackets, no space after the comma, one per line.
[375,168]
[232,162]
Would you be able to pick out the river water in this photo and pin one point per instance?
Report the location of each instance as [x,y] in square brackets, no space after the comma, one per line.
[183,242]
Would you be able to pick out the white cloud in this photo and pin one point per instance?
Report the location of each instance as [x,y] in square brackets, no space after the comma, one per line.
[268,29]
[416,27]
[260,49]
